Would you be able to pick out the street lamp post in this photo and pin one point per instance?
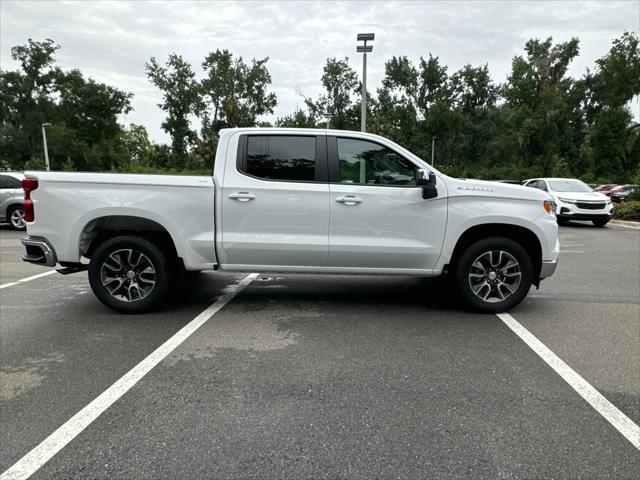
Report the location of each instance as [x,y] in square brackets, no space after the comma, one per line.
[433,145]
[46,150]
[364,37]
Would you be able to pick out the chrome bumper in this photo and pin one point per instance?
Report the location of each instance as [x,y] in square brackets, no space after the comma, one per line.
[547,268]
[37,250]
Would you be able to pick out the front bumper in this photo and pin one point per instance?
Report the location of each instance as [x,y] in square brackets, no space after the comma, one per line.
[39,251]
[585,216]
[569,211]
[547,268]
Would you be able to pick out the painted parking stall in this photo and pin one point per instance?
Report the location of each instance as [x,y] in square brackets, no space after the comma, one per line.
[302,376]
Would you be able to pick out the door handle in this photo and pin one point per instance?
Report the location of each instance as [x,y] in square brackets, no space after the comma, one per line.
[242,196]
[349,200]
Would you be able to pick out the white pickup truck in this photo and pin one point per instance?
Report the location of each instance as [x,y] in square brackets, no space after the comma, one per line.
[292,200]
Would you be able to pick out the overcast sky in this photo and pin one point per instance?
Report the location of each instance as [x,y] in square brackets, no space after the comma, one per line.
[111,41]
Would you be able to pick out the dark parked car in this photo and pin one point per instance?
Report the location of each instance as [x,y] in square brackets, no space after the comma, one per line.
[623,193]
[608,190]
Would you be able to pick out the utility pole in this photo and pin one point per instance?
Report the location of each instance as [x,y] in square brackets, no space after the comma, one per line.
[433,144]
[364,37]
[46,150]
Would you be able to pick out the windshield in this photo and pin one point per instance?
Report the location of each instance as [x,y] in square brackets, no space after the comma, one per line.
[569,186]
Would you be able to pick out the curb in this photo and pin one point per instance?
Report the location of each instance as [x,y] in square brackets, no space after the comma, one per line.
[626,224]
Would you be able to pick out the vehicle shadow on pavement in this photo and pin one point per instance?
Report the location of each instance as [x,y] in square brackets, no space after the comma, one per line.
[577,224]
[6,226]
[356,291]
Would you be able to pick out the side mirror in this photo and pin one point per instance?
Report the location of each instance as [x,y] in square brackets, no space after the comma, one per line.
[428,182]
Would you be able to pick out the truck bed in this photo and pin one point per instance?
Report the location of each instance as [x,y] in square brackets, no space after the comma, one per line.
[68,205]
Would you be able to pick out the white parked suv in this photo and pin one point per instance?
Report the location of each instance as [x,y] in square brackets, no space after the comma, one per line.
[292,200]
[11,197]
[575,200]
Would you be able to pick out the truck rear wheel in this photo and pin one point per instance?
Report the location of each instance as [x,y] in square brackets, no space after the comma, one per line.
[130,274]
[493,275]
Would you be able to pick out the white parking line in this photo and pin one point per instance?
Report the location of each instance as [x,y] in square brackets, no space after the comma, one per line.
[36,458]
[28,279]
[604,407]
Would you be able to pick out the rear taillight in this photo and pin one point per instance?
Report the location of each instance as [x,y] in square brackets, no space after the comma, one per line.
[29,185]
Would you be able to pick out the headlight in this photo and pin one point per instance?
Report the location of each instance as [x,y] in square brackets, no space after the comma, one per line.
[608,202]
[566,200]
[549,207]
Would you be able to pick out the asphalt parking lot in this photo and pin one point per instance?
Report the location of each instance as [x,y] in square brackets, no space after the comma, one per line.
[328,377]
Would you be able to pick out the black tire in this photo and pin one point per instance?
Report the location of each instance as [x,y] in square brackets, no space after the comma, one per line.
[600,223]
[463,268]
[562,221]
[11,212]
[160,264]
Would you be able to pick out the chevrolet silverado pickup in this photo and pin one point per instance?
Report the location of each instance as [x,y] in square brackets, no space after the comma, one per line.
[292,200]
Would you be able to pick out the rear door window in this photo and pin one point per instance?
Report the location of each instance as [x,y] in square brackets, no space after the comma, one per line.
[280,157]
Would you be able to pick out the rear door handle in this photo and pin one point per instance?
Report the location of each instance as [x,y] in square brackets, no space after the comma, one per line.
[349,200]
[242,196]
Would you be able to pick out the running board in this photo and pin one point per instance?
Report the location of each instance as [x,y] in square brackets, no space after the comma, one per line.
[74,268]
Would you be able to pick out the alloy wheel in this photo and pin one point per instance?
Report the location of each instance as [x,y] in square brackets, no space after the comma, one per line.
[128,275]
[494,276]
[17,219]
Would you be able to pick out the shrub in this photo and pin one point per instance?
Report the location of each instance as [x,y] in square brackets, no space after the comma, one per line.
[629,210]
[635,194]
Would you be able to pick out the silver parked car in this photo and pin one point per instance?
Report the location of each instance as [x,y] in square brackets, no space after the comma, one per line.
[11,198]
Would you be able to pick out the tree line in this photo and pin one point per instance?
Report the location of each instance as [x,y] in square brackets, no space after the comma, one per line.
[539,122]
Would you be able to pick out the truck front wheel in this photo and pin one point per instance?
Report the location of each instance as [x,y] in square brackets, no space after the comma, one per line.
[493,275]
[130,274]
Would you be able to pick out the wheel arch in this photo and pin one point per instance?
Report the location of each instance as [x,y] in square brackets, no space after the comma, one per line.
[522,235]
[13,206]
[103,228]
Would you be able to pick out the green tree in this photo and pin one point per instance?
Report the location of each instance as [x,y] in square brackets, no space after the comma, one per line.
[298,119]
[137,144]
[612,146]
[474,97]
[83,114]
[419,99]
[91,110]
[616,79]
[537,94]
[338,102]
[473,88]
[235,93]
[181,98]
[423,86]
[608,143]
[25,101]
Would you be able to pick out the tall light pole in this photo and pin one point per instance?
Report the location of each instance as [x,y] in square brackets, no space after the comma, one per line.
[433,144]
[46,150]
[364,37]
